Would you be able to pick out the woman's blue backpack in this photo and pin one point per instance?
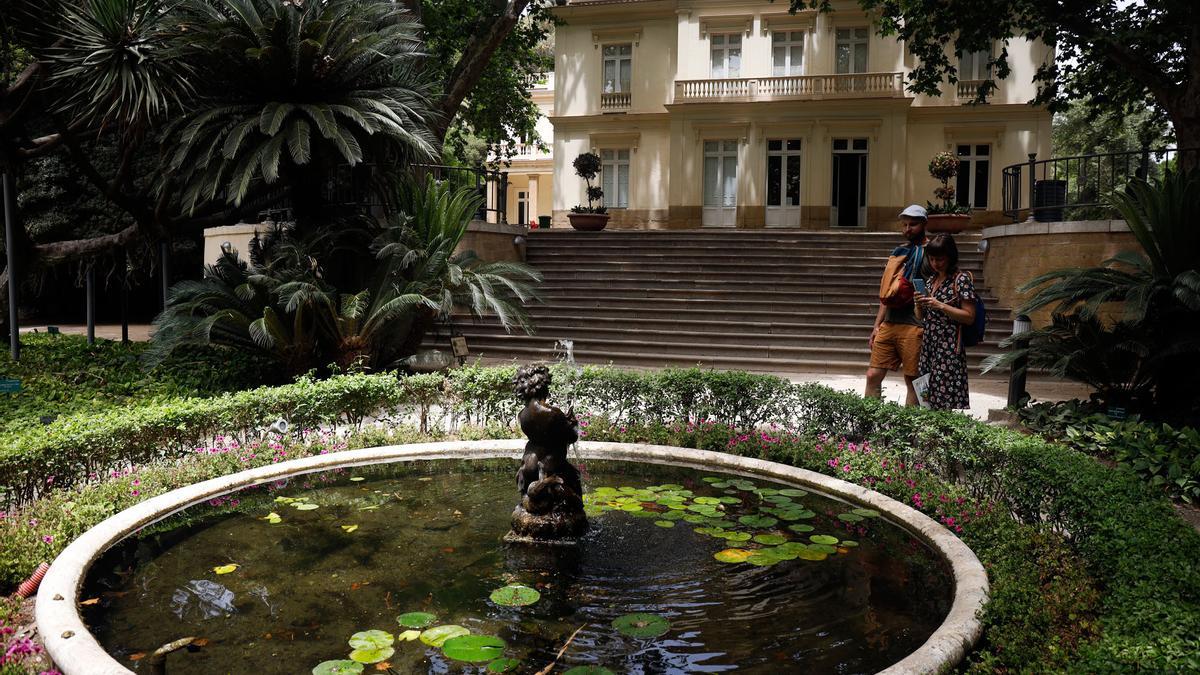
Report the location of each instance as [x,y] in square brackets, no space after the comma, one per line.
[973,334]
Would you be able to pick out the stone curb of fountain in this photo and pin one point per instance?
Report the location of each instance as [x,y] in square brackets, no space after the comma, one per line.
[76,651]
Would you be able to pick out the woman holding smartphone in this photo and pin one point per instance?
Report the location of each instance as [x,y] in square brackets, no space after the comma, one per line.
[945,302]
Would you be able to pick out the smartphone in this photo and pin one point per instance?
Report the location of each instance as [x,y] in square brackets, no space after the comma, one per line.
[919,285]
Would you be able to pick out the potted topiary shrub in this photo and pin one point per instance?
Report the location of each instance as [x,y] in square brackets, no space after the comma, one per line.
[589,218]
[948,216]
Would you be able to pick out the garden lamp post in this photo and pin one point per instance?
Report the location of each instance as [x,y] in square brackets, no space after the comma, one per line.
[10,226]
[1017,374]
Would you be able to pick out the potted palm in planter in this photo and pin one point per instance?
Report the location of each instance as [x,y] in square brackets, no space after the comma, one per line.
[948,216]
[589,218]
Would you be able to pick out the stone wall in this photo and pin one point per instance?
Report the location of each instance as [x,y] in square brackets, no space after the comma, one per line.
[493,242]
[1019,252]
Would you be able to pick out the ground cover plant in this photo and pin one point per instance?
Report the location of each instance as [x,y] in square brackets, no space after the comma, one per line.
[1090,569]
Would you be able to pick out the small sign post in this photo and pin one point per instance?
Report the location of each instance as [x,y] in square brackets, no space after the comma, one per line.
[459,346]
[10,386]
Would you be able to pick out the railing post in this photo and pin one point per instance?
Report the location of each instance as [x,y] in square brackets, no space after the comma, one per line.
[1144,164]
[1017,375]
[9,197]
[502,217]
[1032,164]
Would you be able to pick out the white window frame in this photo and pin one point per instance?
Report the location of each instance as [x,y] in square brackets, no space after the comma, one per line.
[966,167]
[973,66]
[724,47]
[616,59]
[612,166]
[788,42]
[855,43]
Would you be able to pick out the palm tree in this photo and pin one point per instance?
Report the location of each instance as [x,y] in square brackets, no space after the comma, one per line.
[1158,290]
[292,90]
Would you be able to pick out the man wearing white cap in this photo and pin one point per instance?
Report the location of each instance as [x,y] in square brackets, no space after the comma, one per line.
[896,338]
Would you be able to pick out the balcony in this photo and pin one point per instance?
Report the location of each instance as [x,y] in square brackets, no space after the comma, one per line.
[615,102]
[796,87]
[968,89]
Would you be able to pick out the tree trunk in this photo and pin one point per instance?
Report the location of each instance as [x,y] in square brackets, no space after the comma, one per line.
[1186,120]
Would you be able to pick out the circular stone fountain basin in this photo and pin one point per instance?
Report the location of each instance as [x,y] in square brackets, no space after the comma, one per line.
[333,545]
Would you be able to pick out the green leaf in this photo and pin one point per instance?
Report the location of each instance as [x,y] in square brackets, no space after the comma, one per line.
[503,665]
[340,667]
[434,637]
[371,639]
[416,619]
[372,655]
[515,595]
[474,648]
[641,625]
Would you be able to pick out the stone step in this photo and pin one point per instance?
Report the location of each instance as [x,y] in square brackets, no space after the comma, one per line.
[556,274]
[823,294]
[867,305]
[845,236]
[704,268]
[781,257]
[826,314]
[777,248]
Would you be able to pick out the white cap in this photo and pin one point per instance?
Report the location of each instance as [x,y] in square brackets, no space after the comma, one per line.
[915,211]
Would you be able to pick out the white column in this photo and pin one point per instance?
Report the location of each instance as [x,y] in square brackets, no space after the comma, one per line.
[531,208]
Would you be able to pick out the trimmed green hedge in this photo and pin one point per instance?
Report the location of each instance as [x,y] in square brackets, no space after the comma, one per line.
[1091,570]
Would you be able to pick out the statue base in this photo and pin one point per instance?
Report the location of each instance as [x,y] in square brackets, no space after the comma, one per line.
[555,527]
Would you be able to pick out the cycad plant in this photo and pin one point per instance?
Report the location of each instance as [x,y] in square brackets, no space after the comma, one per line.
[296,89]
[1154,292]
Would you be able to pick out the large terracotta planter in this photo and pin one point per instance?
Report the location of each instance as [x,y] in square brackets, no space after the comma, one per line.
[588,222]
[951,223]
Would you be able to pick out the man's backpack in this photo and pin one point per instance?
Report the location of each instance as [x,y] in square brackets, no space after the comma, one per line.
[973,334]
[895,288]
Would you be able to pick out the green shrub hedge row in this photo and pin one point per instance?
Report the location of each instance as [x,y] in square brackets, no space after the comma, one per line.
[1076,538]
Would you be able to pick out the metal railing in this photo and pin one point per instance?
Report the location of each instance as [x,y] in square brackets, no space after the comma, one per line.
[843,85]
[1075,188]
[492,186]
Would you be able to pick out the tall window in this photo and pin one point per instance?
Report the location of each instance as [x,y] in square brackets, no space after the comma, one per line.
[974,162]
[974,65]
[720,173]
[614,178]
[726,55]
[852,50]
[787,53]
[618,68]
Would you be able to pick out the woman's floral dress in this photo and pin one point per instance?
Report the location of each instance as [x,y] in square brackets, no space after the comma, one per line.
[942,354]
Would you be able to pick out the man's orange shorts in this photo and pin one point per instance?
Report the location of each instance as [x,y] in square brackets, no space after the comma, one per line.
[897,347]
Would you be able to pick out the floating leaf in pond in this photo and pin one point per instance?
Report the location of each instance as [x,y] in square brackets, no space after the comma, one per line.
[809,554]
[848,543]
[823,539]
[225,569]
[770,539]
[606,491]
[284,500]
[340,667]
[372,655]
[794,492]
[867,513]
[679,506]
[850,517]
[733,555]
[434,637]
[515,595]
[758,521]
[408,635]
[641,625]
[693,518]
[474,648]
[783,553]
[671,486]
[626,489]
[707,500]
[665,523]
[273,518]
[710,531]
[711,479]
[416,619]
[503,665]
[738,536]
[762,559]
[358,479]
[631,507]
[793,547]
[371,639]
[767,492]
[721,485]
[788,514]
[671,515]
[778,499]
[589,670]
[349,528]
[305,506]
[823,548]
[801,528]
[730,500]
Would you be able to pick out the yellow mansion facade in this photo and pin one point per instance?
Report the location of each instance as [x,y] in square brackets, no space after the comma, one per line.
[735,113]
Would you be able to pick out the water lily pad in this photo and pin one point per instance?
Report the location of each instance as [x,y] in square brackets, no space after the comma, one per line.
[707,500]
[738,536]
[339,667]
[305,506]
[372,655]
[474,648]
[589,670]
[606,491]
[693,518]
[626,489]
[273,518]
[721,485]
[434,637]
[758,521]
[416,619]
[848,543]
[823,548]
[349,528]
[778,499]
[358,479]
[515,595]
[801,528]
[867,513]
[671,515]
[371,639]
[679,506]
[762,559]
[730,500]
[503,665]
[770,539]
[733,555]
[782,553]
[712,479]
[641,625]
[788,514]
[809,554]
[671,486]
[794,492]
[850,517]
[631,507]
[823,539]
[225,569]
[408,635]
[665,523]
[766,492]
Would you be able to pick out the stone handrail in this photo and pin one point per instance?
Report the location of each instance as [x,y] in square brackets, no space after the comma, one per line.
[968,89]
[615,101]
[847,85]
